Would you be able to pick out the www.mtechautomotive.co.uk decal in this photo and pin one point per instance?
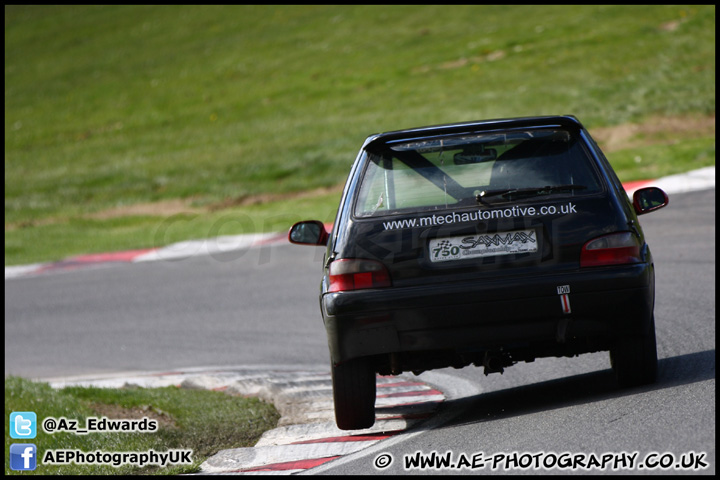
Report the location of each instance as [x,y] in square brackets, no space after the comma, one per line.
[478,215]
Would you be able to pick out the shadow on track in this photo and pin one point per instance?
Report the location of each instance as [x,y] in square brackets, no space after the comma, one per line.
[576,390]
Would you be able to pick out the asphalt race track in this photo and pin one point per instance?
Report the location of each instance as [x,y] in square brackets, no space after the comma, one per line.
[259,307]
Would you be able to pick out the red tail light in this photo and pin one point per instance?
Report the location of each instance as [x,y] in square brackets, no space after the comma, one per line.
[614,249]
[356,274]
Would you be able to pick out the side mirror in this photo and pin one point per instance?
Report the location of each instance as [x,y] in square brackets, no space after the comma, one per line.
[309,232]
[649,199]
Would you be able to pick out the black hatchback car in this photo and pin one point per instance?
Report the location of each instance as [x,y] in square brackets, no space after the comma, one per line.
[486,243]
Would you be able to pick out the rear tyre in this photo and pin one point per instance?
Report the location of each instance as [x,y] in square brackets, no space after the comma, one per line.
[634,359]
[354,394]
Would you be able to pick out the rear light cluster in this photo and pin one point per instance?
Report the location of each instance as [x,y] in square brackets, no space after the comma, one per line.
[614,249]
[356,274]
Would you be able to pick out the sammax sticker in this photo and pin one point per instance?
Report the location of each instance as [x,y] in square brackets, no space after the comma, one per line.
[482,245]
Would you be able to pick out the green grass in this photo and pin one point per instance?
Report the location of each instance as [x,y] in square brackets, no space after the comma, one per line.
[111,106]
[200,420]
[656,161]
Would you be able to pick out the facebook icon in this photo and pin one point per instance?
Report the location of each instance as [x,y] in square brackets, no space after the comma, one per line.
[23,456]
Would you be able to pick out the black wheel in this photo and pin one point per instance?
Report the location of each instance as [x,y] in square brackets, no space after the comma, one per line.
[634,359]
[354,394]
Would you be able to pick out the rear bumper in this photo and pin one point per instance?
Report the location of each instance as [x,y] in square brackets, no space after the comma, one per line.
[524,313]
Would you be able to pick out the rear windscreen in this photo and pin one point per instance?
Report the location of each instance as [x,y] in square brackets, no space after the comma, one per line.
[472,170]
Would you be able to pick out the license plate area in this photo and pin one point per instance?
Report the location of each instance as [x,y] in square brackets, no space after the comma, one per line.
[482,245]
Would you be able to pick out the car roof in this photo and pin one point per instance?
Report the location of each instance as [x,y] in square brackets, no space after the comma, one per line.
[566,121]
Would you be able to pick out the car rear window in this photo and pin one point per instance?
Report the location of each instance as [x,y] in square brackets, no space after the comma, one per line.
[471,170]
